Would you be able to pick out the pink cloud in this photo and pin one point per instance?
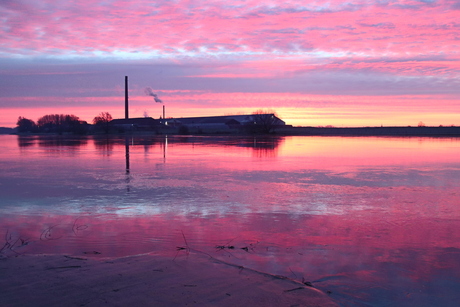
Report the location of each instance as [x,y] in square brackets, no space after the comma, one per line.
[357,27]
[232,75]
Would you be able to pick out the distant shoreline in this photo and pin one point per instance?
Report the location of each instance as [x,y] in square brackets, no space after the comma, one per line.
[314,131]
[371,131]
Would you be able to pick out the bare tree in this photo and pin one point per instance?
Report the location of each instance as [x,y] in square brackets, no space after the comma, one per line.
[103,120]
[60,123]
[265,121]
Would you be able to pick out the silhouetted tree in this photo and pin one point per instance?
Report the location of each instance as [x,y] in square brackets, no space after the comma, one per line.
[60,123]
[103,120]
[26,125]
[265,121]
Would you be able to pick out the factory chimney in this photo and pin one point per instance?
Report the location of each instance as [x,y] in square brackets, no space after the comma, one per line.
[126,97]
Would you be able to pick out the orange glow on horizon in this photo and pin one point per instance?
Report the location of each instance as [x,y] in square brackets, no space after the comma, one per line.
[294,108]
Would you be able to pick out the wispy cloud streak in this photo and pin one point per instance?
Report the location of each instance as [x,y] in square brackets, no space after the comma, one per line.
[361,27]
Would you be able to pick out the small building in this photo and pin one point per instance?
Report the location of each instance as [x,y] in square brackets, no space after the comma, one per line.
[224,123]
[136,124]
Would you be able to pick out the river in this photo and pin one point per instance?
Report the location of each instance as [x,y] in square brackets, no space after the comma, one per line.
[373,221]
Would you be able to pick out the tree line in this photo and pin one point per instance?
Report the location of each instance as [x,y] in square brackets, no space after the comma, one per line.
[264,122]
[63,123]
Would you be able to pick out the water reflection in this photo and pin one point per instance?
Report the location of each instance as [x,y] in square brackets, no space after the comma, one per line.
[51,141]
[261,146]
[105,146]
[127,155]
[374,220]
[26,141]
[56,141]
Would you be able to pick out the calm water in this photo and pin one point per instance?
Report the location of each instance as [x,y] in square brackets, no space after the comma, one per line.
[373,220]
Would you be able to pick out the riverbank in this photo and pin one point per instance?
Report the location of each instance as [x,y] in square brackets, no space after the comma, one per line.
[145,280]
[453,131]
[371,131]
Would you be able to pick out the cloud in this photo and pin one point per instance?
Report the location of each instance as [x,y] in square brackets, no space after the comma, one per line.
[381,25]
[94,28]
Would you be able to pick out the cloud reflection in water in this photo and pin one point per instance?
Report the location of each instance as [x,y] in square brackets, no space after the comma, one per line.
[373,220]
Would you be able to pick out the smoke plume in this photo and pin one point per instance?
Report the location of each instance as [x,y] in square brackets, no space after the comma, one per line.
[148,91]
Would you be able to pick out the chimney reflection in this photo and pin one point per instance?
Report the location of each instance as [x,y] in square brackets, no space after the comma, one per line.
[127,154]
[165,145]
[128,176]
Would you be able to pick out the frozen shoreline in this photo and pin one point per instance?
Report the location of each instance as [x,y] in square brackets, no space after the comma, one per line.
[145,280]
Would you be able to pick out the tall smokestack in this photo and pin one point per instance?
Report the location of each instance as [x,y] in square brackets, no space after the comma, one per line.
[164,113]
[126,97]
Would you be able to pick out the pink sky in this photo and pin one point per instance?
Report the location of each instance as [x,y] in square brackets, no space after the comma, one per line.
[316,63]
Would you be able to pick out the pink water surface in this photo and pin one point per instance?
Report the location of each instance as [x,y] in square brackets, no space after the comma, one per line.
[372,220]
